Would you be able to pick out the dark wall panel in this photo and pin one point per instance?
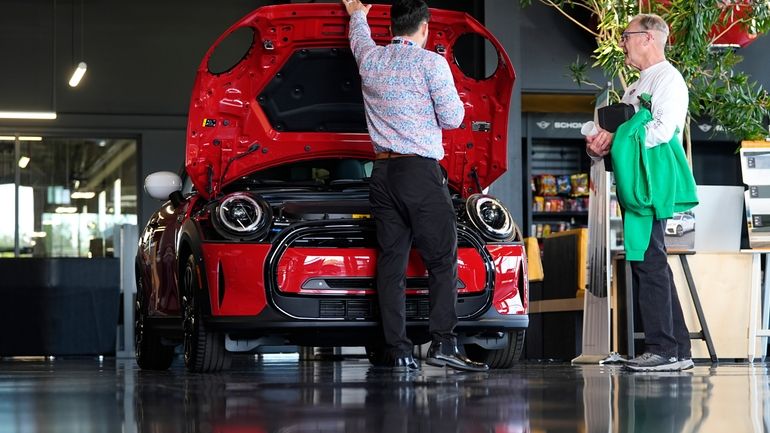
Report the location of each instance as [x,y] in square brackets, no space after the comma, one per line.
[26,41]
[756,60]
[551,42]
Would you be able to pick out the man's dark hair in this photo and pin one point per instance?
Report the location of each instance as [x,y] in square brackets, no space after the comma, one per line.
[406,16]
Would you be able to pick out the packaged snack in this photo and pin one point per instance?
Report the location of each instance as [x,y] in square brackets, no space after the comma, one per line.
[558,205]
[538,204]
[570,204]
[546,185]
[563,185]
[579,184]
[554,204]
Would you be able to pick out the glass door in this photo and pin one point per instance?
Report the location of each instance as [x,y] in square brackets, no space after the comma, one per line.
[68,193]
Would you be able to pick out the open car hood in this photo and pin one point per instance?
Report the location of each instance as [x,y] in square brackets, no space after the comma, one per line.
[292,92]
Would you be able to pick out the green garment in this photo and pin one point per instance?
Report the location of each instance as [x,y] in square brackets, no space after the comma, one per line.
[652,183]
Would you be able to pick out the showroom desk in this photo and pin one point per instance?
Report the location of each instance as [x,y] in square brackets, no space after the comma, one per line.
[728,287]
[759,290]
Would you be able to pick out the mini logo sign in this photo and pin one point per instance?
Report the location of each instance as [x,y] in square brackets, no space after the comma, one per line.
[705,127]
[543,124]
[567,125]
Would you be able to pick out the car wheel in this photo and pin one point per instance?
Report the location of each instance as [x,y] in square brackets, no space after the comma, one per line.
[151,353]
[204,350]
[679,230]
[499,358]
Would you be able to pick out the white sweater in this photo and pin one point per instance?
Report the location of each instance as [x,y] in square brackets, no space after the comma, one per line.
[670,99]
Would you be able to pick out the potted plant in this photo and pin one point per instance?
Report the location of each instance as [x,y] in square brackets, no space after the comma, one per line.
[700,46]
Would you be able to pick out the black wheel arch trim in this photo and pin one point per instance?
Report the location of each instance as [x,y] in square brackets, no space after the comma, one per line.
[189,235]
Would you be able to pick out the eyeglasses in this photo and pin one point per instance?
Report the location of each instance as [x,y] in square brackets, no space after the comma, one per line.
[625,35]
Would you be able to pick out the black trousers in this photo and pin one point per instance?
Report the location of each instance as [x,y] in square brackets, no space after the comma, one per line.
[665,332]
[411,203]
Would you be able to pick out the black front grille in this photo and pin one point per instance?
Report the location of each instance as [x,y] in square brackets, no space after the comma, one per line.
[335,306]
[366,309]
[332,309]
[417,308]
[360,309]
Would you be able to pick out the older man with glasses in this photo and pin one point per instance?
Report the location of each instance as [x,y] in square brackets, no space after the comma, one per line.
[667,339]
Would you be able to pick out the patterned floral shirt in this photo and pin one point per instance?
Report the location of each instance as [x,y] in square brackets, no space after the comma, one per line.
[409,93]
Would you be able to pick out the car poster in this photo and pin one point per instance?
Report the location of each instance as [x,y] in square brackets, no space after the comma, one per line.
[680,231]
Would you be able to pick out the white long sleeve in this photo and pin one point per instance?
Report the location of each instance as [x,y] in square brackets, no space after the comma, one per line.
[670,99]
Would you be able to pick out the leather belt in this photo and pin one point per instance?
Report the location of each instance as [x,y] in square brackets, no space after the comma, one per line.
[390,154]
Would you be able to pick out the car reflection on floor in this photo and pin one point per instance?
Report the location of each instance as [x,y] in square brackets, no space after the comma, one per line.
[284,394]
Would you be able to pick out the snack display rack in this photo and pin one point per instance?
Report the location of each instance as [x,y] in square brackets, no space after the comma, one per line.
[556,172]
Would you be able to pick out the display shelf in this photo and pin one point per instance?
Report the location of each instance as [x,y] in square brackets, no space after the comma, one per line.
[556,305]
[554,146]
[560,215]
[616,221]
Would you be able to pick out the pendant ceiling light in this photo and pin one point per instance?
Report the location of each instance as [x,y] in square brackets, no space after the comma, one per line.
[81,67]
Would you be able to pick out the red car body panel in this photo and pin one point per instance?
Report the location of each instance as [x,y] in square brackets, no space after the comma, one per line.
[225,119]
[511,292]
[235,274]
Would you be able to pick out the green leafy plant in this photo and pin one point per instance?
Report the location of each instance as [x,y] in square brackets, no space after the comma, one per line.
[717,90]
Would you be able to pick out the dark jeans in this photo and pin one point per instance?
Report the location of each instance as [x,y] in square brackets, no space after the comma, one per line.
[665,332]
[410,202]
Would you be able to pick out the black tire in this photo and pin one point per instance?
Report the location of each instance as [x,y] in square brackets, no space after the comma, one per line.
[204,350]
[151,353]
[679,230]
[499,358]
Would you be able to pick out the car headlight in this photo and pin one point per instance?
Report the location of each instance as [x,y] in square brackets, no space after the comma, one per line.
[242,216]
[491,217]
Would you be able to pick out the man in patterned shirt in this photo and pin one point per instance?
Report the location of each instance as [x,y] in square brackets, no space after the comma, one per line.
[409,96]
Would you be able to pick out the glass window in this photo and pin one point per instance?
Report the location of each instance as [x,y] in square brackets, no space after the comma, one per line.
[7,194]
[72,193]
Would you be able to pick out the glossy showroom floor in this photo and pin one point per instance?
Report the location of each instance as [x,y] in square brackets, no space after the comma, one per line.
[283,394]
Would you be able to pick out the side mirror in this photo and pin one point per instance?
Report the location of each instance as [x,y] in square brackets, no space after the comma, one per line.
[161,184]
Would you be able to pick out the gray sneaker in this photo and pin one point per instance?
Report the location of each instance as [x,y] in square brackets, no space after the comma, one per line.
[652,362]
[686,363]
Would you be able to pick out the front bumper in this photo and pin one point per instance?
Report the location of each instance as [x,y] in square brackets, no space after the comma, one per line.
[264,287]
[351,333]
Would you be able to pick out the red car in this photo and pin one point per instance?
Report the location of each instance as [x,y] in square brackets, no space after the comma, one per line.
[266,237]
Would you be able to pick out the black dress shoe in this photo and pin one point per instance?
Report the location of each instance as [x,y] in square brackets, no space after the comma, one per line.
[403,363]
[446,353]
